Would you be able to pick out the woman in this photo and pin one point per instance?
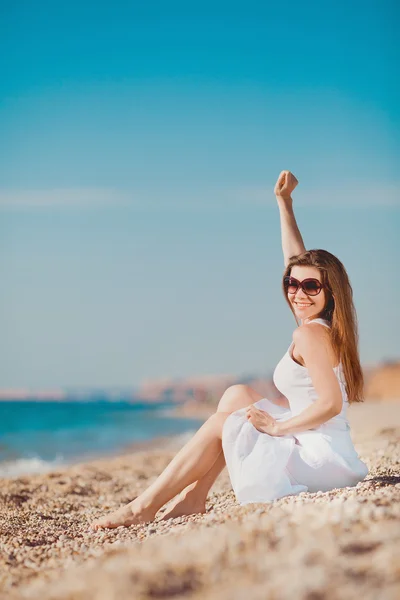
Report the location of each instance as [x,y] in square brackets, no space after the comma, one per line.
[298,442]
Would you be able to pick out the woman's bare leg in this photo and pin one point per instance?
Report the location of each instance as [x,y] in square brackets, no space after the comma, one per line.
[190,464]
[192,500]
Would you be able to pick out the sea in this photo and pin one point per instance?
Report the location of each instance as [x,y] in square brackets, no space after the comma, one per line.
[39,436]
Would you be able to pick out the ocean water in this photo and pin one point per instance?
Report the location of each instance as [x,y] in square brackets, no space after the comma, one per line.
[39,436]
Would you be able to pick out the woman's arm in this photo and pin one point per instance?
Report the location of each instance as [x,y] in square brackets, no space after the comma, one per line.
[292,242]
[313,346]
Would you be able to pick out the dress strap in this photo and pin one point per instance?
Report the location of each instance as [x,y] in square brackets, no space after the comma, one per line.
[321,321]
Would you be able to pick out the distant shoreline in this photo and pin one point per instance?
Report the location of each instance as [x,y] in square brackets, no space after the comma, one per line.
[50,436]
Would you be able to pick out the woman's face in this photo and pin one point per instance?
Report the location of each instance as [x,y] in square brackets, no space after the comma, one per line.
[306,307]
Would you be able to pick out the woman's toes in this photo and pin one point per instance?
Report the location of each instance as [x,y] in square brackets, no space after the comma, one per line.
[100,523]
[124,516]
[183,506]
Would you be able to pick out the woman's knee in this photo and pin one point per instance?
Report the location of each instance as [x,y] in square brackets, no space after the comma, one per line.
[237,396]
[217,420]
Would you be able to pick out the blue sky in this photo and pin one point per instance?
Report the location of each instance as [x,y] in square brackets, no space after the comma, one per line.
[140,144]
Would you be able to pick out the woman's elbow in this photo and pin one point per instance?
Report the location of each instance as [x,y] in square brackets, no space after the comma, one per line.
[331,407]
[334,408]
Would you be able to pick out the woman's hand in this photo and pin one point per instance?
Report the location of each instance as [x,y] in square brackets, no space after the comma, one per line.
[285,185]
[262,421]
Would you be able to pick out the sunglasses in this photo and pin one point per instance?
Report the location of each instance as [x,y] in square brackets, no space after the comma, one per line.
[310,286]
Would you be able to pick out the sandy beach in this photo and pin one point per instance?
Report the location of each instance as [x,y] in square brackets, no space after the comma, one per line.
[339,544]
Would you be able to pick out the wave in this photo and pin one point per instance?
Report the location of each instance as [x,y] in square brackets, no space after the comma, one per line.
[35,465]
[28,466]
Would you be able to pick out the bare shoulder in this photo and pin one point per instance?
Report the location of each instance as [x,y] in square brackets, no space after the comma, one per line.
[308,333]
[315,337]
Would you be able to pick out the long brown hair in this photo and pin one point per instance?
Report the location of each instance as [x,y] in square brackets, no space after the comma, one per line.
[339,310]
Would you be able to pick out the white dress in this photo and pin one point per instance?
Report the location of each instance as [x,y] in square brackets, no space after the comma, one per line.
[263,468]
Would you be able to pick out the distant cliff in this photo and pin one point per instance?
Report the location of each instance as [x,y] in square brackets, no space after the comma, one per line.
[383,381]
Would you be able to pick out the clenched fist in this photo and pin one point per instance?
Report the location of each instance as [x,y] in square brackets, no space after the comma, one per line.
[285,184]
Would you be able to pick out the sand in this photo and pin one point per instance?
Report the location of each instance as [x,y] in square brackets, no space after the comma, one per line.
[335,545]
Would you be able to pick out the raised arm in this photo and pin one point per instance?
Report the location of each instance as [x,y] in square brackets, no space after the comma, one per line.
[292,242]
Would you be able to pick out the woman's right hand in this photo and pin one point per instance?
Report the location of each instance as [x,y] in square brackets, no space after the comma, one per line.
[285,185]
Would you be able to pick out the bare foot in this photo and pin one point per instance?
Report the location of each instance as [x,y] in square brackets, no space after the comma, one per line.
[184,504]
[127,515]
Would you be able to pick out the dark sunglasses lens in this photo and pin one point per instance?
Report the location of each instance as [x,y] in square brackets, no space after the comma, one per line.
[312,287]
[290,285]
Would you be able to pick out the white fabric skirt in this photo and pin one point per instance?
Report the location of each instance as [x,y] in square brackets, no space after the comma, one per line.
[263,468]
